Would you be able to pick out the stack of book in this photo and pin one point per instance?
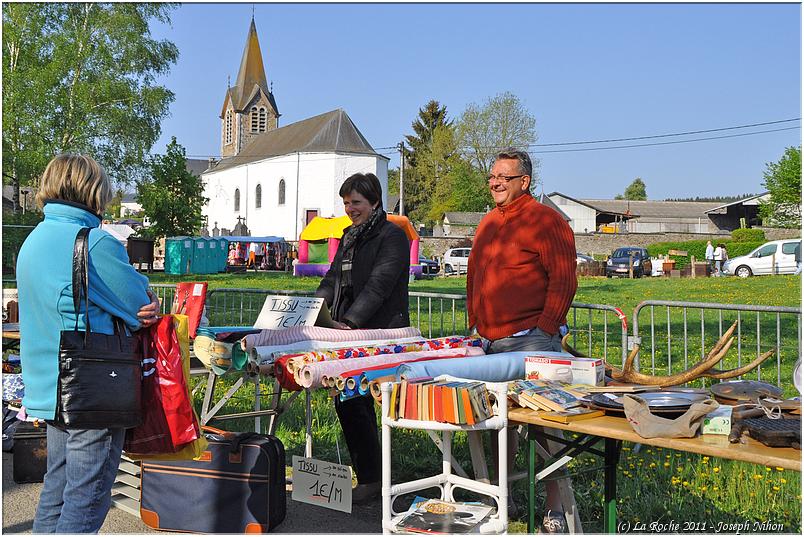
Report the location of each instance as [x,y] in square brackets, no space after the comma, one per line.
[439,516]
[459,403]
[554,401]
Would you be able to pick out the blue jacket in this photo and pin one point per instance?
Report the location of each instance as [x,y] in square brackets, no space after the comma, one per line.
[44,283]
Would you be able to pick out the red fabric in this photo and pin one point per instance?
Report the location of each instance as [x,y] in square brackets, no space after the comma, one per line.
[521,270]
[283,376]
[190,303]
[168,419]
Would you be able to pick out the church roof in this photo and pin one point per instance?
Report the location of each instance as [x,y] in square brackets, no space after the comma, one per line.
[332,132]
[251,76]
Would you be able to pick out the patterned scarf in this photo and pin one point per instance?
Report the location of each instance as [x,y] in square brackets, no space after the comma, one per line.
[348,243]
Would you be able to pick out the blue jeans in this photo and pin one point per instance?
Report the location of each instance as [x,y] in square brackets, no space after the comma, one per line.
[81,467]
[535,340]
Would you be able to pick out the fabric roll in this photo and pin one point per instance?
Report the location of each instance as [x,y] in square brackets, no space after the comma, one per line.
[269,353]
[450,342]
[500,367]
[310,375]
[304,333]
[284,377]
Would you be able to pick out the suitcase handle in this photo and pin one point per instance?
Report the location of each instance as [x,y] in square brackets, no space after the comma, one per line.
[236,438]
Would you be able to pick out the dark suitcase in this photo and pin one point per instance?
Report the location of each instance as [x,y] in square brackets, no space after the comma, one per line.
[30,452]
[238,486]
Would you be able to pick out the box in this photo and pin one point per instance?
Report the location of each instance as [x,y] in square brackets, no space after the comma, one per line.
[564,367]
[717,421]
[30,452]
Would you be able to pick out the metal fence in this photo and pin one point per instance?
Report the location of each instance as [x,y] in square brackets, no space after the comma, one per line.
[597,329]
[676,335]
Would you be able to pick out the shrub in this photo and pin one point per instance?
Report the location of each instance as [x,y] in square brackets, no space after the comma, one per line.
[748,235]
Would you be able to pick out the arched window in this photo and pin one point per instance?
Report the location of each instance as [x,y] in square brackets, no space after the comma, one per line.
[258,196]
[228,128]
[254,119]
[263,118]
[281,192]
[237,199]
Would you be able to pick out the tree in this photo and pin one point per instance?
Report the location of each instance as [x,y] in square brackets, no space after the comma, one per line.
[173,196]
[634,192]
[433,164]
[82,78]
[502,122]
[463,188]
[431,116]
[783,182]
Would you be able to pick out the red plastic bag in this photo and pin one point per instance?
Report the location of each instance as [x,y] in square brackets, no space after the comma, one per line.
[189,300]
[168,419]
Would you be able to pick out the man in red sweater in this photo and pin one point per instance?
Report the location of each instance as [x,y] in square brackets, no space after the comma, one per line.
[521,277]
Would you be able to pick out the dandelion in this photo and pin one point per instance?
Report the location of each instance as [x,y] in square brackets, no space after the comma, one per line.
[767,468]
[652,465]
[776,489]
[702,489]
[758,476]
[704,460]
[667,465]
[686,483]
[779,469]
[716,469]
[631,466]
[783,481]
[680,469]
[715,488]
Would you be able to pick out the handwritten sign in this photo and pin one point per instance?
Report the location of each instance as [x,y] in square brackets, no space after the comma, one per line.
[322,483]
[288,311]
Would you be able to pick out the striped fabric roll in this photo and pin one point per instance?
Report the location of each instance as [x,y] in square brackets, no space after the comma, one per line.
[304,333]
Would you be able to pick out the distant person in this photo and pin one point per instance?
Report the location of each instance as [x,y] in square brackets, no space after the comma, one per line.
[366,286]
[720,256]
[74,191]
[710,258]
[797,254]
[521,277]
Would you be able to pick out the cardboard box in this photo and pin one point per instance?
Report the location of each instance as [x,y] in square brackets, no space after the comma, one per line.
[718,421]
[565,368]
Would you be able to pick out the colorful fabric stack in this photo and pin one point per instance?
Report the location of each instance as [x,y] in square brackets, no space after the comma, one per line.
[304,333]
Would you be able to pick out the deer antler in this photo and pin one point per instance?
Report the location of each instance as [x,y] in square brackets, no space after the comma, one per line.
[700,369]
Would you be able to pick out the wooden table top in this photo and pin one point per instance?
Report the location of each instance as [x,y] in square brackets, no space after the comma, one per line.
[712,445]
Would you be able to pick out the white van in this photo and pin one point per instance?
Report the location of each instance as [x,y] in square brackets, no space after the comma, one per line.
[774,257]
[456,260]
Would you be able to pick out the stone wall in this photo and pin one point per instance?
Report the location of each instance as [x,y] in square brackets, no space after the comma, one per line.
[436,246]
[778,233]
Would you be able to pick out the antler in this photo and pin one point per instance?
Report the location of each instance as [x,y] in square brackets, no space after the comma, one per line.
[700,369]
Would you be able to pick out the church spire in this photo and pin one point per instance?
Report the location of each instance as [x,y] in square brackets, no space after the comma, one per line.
[252,70]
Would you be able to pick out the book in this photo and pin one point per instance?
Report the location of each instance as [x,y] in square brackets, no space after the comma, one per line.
[573,414]
[545,394]
[438,516]
[403,395]
[393,408]
[467,405]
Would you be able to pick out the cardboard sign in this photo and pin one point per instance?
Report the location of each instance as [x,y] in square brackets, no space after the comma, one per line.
[322,483]
[288,311]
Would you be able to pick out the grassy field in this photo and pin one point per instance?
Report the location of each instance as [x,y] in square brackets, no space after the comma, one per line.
[654,485]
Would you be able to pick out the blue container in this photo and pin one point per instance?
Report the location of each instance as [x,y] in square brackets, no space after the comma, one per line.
[223,252]
[198,262]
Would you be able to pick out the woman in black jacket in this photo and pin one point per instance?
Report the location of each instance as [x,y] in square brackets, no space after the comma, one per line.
[366,287]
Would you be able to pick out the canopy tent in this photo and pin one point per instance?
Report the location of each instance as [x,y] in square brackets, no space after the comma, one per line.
[319,240]
[243,238]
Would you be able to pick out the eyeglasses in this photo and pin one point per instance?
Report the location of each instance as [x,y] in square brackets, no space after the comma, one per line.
[503,178]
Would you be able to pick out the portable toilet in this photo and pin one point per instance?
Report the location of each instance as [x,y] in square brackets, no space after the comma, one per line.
[178,254]
[198,263]
[213,255]
[223,254]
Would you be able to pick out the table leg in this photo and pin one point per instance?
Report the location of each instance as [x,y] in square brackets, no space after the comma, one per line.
[612,451]
[531,478]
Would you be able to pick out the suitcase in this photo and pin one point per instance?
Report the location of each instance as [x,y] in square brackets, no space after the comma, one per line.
[30,452]
[237,486]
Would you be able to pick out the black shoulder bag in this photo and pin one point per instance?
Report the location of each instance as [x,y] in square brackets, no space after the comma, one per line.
[100,376]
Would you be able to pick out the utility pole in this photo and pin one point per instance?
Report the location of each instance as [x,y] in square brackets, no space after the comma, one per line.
[401,148]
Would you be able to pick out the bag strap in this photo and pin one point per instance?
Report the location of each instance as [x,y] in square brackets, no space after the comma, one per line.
[81,277]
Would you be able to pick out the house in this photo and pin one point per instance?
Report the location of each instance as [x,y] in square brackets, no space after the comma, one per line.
[464,224]
[277,179]
[589,215]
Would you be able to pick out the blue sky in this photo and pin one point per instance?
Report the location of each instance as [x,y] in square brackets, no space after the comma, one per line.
[584,71]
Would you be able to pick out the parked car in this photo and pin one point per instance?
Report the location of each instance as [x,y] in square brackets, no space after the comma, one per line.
[429,267]
[456,260]
[618,262]
[583,258]
[783,255]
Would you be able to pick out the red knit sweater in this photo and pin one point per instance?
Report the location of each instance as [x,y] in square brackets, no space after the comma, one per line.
[521,270]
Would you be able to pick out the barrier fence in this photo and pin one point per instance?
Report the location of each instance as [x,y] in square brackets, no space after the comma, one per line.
[679,334]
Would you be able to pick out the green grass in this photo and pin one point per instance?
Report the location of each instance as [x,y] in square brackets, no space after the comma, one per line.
[688,488]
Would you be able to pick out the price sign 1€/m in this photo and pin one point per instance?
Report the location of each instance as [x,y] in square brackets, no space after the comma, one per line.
[322,483]
[288,311]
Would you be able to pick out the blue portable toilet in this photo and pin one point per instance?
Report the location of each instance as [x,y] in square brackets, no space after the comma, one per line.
[213,255]
[178,254]
[223,252]
[198,263]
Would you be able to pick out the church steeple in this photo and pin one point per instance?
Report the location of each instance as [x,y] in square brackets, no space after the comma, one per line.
[249,108]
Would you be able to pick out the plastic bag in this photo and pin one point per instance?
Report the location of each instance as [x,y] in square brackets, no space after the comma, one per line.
[189,300]
[169,422]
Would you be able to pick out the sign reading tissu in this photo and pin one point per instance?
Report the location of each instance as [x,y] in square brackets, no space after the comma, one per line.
[322,483]
[288,311]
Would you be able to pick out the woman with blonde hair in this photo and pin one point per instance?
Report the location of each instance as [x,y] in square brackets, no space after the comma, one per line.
[81,463]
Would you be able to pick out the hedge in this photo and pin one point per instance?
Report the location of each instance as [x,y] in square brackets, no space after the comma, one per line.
[698,249]
[748,235]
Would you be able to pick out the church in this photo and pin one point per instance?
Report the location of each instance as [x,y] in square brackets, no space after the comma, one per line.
[277,179]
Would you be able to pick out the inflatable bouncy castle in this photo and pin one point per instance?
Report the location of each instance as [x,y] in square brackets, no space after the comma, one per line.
[319,241]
